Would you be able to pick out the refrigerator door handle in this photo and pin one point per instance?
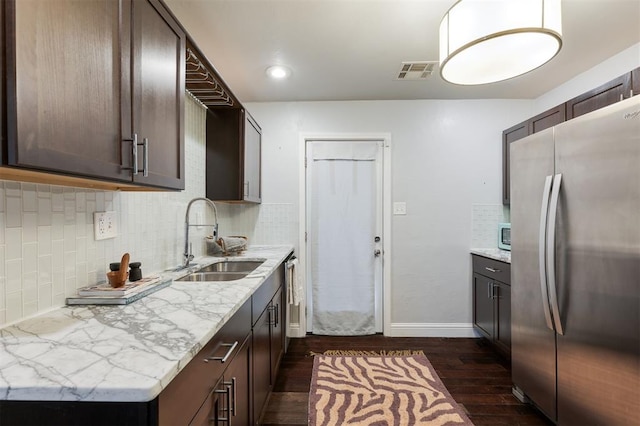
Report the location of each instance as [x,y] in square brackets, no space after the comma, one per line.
[551,253]
[542,252]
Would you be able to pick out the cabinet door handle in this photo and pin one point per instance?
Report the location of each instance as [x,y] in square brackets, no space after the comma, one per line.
[227,393]
[134,153]
[232,406]
[492,270]
[277,314]
[272,316]
[223,359]
[145,157]
[234,387]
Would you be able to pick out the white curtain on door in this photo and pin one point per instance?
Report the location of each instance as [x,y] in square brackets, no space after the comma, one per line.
[343,225]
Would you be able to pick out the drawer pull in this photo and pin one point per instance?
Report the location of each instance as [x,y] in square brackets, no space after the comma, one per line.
[225,406]
[223,359]
[492,270]
[235,396]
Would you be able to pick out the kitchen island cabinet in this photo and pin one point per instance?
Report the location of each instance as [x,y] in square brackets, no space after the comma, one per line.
[492,301]
[95,94]
[143,363]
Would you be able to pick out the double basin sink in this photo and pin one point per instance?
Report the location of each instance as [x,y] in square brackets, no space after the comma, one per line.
[228,270]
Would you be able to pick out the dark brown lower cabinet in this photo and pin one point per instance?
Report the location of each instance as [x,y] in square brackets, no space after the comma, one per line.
[483,305]
[261,362]
[212,411]
[268,338]
[277,333]
[229,401]
[492,301]
[239,377]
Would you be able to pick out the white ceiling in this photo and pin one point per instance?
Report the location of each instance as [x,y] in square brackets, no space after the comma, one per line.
[353,49]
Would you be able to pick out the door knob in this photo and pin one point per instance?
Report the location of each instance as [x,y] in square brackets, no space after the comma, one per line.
[377,252]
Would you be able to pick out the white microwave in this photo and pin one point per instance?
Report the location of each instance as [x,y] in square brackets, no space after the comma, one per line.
[504,236]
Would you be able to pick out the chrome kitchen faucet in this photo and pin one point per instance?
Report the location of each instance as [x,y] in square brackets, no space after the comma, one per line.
[188,255]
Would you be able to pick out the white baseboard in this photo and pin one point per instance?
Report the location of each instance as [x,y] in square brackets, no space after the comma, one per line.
[411,330]
[431,330]
[295,330]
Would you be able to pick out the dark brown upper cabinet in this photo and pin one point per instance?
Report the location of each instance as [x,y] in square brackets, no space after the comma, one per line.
[158,95]
[234,138]
[609,93]
[84,80]
[549,118]
[512,134]
[635,81]
[233,156]
[3,101]
[606,94]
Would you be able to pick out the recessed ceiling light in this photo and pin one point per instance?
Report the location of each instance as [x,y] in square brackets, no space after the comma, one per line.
[278,72]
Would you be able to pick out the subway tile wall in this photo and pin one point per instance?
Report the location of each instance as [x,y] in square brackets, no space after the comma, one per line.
[262,224]
[47,246]
[484,224]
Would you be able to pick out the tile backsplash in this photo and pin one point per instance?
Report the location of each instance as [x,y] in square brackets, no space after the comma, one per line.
[261,224]
[484,224]
[47,244]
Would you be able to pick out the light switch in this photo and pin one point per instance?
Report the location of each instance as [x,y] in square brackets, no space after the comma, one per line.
[399,208]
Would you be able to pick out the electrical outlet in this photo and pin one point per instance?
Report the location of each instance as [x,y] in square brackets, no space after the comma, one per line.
[105,225]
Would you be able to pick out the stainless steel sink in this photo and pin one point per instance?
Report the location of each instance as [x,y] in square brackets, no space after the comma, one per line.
[214,276]
[232,266]
[228,270]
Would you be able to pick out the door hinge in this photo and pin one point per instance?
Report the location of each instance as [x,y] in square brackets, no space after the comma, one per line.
[305,237]
[305,162]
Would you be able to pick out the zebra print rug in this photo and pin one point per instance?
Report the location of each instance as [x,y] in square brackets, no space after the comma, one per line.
[379,390]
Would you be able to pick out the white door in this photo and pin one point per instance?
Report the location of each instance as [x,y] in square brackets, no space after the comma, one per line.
[344,237]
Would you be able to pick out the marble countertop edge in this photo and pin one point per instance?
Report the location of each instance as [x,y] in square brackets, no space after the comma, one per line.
[493,253]
[71,353]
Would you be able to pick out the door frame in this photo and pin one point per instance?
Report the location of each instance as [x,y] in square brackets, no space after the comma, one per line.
[385,138]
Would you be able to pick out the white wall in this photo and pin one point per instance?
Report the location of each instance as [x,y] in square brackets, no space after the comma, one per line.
[446,157]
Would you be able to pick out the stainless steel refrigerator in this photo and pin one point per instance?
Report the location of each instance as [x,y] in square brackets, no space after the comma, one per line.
[575,228]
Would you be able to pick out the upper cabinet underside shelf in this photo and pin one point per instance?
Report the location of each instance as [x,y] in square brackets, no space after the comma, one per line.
[204,83]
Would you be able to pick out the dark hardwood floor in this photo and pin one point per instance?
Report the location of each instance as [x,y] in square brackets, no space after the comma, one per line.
[474,374]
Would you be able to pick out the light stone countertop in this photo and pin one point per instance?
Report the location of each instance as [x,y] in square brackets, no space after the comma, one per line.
[124,353]
[493,253]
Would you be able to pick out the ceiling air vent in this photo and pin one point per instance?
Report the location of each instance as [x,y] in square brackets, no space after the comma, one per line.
[416,70]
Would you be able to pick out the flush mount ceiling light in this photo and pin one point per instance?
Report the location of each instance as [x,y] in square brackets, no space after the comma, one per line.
[485,41]
[278,72]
